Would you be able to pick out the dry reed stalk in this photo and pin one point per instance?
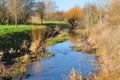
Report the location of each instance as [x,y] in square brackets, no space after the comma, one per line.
[37,37]
[107,40]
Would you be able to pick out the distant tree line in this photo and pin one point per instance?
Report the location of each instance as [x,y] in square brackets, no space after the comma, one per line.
[101,11]
[19,11]
[15,11]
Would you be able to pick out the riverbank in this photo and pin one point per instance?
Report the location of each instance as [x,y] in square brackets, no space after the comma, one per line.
[18,54]
[14,50]
[104,41]
[17,46]
[107,40]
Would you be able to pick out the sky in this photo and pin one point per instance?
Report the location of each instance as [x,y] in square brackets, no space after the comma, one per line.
[64,5]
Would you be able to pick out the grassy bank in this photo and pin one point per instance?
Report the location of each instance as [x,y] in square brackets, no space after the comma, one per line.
[61,37]
[12,37]
[23,44]
[11,40]
[14,49]
[9,29]
[106,40]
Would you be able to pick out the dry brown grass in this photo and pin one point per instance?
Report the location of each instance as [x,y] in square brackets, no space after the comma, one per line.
[107,40]
[74,75]
[38,35]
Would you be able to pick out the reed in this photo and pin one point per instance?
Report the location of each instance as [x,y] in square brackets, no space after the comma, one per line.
[107,40]
[38,36]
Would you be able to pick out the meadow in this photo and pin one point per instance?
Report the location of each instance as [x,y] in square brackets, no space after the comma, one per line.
[9,29]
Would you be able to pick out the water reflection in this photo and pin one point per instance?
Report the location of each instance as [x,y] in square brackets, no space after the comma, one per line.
[36,67]
[54,68]
[75,39]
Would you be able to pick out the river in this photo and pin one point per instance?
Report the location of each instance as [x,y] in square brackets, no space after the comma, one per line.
[60,65]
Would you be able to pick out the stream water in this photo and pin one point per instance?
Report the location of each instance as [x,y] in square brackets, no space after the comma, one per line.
[60,65]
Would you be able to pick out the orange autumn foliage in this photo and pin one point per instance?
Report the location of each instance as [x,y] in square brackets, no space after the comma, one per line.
[73,15]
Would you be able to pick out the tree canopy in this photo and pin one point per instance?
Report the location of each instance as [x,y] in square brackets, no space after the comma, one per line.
[73,15]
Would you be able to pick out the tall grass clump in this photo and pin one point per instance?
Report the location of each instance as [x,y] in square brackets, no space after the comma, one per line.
[107,41]
[38,36]
[74,75]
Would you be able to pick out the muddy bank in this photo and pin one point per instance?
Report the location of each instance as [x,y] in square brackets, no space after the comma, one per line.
[14,54]
[18,50]
[80,39]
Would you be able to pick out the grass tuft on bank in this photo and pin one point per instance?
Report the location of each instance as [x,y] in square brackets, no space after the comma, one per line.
[61,37]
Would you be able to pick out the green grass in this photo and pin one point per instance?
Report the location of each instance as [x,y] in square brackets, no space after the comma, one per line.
[56,22]
[12,37]
[9,29]
[54,41]
[52,22]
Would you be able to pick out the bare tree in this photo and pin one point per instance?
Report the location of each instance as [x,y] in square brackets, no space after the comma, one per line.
[3,9]
[14,9]
[50,7]
[41,9]
[45,7]
[91,15]
[25,10]
[102,6]
[20,9]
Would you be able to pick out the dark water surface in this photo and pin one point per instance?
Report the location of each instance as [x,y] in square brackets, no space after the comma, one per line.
[60,65]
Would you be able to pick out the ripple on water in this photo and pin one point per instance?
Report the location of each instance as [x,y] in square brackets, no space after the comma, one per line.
[54,68]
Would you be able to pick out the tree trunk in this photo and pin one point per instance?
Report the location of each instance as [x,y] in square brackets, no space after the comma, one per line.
[16,25]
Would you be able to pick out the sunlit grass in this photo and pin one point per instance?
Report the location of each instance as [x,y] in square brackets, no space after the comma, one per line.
[8,29]
[61,37]
[55,22]
[52,22]
[54,41]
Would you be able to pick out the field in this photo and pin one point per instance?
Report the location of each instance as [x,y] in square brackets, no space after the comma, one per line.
[51,22]
[9,29]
